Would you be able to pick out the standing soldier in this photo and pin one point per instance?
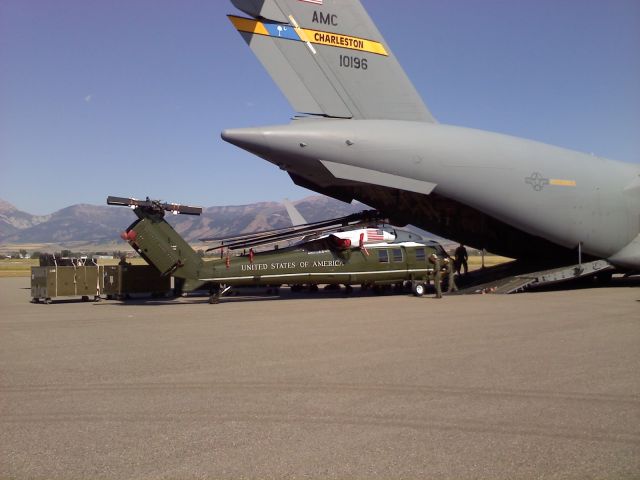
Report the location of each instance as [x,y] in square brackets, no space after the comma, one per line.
[449,270]
[461,259]
[437,269]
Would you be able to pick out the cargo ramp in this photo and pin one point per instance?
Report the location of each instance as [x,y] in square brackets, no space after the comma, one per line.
[523,281]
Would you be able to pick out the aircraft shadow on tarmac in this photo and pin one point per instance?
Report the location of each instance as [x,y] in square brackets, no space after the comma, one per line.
[241,297]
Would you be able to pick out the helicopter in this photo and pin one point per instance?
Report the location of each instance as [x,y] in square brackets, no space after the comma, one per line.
[350,250]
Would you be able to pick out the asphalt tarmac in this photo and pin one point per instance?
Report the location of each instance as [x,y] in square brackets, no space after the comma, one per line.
[533,385]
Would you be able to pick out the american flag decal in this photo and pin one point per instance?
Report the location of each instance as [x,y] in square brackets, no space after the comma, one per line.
[317,2]
[374,235]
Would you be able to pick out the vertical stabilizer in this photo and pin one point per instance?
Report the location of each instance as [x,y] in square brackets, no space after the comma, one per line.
[329,59]
[295,216]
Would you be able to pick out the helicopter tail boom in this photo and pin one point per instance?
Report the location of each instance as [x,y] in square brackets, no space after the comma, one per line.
[156,241]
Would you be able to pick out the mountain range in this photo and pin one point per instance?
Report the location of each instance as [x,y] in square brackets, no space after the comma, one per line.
[84,224]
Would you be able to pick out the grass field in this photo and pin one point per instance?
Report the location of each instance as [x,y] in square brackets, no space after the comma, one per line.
[17,267]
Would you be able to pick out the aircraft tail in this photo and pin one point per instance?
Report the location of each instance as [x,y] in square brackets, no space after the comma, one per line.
[329,59]
[156,241]
[295,216]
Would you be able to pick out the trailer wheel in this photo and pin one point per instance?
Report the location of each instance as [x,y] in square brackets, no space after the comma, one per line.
[419,289]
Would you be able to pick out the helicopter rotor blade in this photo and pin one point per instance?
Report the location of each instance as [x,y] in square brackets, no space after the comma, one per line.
[273,236]
[367,215]
[154,205]
[241,236]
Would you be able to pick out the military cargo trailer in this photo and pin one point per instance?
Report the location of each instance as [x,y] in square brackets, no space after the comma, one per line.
[53,281]
[122,281]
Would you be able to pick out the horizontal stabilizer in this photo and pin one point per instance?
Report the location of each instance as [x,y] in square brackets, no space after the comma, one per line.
[375,177]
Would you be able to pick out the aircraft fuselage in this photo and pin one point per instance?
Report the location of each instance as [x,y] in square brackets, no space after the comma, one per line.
[537,192]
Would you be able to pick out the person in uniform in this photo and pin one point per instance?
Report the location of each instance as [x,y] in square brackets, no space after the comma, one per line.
[437,269]
[450,271]
[461,257]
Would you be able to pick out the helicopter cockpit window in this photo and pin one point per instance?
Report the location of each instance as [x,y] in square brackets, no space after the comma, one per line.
[420,256]
[441,251]
[397,254]
[383,256]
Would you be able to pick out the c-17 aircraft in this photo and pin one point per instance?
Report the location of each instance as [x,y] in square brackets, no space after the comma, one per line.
[366,134]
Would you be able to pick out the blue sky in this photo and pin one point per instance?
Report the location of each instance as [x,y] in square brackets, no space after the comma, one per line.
[128,97]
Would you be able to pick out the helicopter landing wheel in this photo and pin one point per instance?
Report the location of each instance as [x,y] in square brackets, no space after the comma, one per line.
[419,289]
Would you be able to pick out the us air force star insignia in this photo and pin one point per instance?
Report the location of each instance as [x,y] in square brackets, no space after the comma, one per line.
[537,181]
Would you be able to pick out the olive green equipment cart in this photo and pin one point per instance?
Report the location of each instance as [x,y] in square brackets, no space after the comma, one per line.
[53,281]
[122,281]
[58,277]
